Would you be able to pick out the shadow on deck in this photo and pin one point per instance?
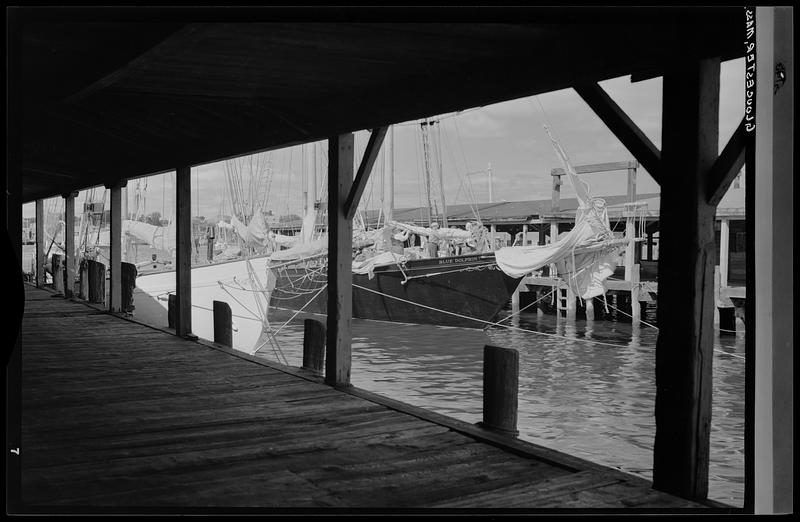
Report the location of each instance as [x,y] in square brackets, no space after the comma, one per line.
[118,417]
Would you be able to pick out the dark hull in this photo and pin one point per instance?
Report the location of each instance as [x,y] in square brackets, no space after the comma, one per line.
[464,291]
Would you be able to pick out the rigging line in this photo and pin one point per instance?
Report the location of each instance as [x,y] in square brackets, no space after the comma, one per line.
[488,323]
[299,311]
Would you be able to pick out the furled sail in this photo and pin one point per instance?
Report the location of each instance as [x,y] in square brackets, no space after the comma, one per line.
[586,255]
[162,238]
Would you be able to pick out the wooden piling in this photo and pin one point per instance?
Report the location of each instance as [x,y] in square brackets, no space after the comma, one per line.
[172,300]
[223,324]
[590,309]
[515,300]
[314,346]
[727,321]
[128,284]
[571,305]
[500,389]
[636,309]
[57,269]
[97,281]
[83,279]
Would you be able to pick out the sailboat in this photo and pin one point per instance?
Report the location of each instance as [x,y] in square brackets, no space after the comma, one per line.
[468,290]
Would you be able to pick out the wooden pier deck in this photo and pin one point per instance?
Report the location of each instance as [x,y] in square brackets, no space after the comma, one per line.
[121,417]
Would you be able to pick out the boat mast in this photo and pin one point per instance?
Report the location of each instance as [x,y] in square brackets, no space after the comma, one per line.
[427,169]
[438,150]
[388,205]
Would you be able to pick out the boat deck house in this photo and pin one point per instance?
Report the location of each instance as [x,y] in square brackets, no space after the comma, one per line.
[100,96]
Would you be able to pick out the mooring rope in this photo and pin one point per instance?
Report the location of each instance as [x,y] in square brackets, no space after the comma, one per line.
[489,323]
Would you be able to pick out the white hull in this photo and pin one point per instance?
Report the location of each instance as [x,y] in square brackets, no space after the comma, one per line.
[206,289]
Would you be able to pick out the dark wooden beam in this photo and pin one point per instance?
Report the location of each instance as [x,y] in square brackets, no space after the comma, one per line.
[340,262]
[727,166]
[364,171]
[685,346]
[183,248]
[623,128]
[598,167]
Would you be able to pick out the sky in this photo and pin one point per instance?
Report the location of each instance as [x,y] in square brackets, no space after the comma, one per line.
[507,138]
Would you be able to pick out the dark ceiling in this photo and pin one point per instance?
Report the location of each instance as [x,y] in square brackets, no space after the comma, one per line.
[103,94]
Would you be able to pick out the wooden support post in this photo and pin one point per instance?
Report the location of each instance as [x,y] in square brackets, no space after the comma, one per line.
[223,324]
[493,236]
[630,226]
[590,309]
[69,243]
[97,281]
[716,295]
[636,308]
[542,240]
[115,295]
[314,346]
[772,323]
[724,251]
[183,248]
[500,389]
[650,246]
[553,239]
[57,269]
[40,248]
[555,201]
[127,286]
[524,235]
[684,350]
[340,261]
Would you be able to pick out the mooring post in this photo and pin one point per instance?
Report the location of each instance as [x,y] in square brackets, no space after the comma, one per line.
[171,305]
[128,284]
[314,346]
[97,281]
[500,389]
[223,324]
[57,269]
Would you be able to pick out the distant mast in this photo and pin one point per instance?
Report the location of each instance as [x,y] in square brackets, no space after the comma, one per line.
[388,205]
[491,191]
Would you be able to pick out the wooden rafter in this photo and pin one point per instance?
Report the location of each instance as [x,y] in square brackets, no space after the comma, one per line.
[364,170]
[727,166]
[623,128]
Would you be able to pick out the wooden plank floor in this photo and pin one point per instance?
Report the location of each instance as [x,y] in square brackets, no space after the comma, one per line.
[122,416]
